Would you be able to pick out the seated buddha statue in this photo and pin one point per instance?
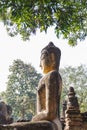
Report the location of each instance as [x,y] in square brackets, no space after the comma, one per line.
[49,87]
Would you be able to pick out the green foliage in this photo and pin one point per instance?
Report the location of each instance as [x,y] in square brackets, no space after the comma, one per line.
[69,18]
[21,89]
[77,78]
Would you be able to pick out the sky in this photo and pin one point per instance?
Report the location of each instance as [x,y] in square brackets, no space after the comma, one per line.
[13,48]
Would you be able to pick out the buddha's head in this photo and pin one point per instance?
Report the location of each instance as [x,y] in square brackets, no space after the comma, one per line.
[50,58]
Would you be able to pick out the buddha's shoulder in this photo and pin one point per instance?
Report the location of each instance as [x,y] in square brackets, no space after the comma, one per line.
[51,75]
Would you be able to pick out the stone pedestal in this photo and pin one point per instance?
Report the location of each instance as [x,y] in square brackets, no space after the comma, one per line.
[40,125]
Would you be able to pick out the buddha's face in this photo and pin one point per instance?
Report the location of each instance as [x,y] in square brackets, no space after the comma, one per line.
[47,62]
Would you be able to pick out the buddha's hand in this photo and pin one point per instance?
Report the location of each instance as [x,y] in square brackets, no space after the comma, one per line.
[34,118]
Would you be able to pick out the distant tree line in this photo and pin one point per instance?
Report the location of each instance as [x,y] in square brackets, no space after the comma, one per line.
[21,89]
[75,77]
[23,81]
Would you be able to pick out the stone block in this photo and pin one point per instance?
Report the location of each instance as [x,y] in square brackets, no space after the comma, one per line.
[40,125]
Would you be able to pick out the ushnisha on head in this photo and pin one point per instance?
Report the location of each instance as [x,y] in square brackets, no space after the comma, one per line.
[50,58]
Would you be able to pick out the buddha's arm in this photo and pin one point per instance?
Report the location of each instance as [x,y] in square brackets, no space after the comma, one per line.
[50,112]
[38,104]
[59,93]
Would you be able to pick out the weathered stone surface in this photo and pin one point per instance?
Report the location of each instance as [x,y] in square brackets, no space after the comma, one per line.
[72,103]
[73,117]
[40,125]
[84,125]
[64,106]
[5,113]
[74,128]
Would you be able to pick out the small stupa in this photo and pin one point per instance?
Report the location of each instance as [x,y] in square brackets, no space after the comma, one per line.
[73,118]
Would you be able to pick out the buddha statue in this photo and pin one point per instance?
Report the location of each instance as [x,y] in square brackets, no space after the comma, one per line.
[49,87]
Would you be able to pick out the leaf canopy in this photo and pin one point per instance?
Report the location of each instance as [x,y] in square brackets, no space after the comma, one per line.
[24,17]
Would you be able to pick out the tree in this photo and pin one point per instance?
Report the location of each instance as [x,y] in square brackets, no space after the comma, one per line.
[77,78]
[69,18]
[21,89]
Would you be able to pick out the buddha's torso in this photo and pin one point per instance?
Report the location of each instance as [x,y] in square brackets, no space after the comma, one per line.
[41,91]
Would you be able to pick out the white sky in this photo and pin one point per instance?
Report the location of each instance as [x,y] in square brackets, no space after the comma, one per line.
[29,52]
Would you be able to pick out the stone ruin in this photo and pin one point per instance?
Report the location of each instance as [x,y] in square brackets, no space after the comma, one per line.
[5,113]
[48,100]
[72,118]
